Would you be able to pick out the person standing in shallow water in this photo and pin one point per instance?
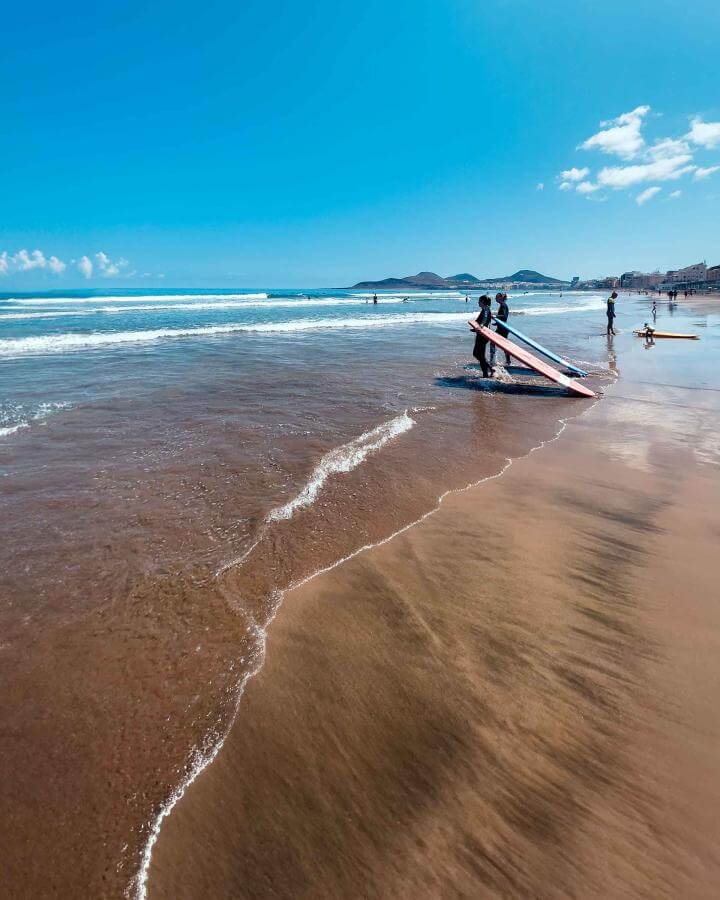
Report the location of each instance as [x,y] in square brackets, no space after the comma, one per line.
[481,342]
[501,316]
[611,313]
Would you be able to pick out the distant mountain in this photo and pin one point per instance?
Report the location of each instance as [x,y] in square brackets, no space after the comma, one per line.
[464,279]
[427,281]
[526,276]
[430,281]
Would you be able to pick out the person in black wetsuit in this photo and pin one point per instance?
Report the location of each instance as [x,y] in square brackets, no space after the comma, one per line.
[501,316]
[485,318]
[611,313]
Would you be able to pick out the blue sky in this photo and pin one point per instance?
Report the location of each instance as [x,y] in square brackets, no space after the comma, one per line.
[290,144]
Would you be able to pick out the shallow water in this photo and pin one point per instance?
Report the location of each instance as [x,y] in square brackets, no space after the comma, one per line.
[170,462]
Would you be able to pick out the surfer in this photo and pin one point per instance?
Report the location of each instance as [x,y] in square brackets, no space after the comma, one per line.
[611,313]
[481,342]
[501,315]
[375,299]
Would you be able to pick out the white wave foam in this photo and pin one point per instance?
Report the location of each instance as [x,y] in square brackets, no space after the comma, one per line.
[39,416]
[48,315]
[12,429]
[137,298]
[62,343]
[414,295]
[595,304]
[343,459]
[187,305]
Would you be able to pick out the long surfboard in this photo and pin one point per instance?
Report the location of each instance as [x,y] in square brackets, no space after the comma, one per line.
[540,349]
[649,332]
[531,361]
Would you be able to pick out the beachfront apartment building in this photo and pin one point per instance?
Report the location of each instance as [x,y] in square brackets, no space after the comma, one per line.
[713,275]
[688,275]
[640,280]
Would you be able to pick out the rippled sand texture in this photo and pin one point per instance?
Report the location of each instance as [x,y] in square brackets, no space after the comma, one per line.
[515,698]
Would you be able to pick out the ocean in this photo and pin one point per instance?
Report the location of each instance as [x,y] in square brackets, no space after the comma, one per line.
[171,462]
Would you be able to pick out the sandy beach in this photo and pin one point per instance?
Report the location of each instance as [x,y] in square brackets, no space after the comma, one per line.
[516,697]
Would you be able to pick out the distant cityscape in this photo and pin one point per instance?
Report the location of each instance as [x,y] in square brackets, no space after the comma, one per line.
[698,277]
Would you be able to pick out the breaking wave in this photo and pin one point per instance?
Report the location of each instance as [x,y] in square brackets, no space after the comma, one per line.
[73,341]
[343,459]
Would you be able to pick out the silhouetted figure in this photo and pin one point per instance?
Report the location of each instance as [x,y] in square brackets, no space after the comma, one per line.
[611,313]
[481,342]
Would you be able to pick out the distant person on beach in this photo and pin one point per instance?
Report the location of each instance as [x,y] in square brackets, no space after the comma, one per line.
[501,315]
[467,297]
[481,342]
[375,298]
[654,309]
[611,313]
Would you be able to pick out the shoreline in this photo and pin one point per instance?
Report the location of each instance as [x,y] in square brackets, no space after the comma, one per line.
[197,811]
[139,885]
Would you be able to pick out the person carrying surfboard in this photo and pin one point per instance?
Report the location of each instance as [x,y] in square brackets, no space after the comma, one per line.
[611,313]
[500,316]
[481,342]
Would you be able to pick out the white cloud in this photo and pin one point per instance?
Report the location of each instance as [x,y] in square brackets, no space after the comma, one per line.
[705,134]
[646,195]
[587,187]
[107,267]
[567,186]
[574,174]
[25,261]
[705,173]
[540,186]
[676,194]
[620,136]
[56,266]
[666,148]
[669,169]
[85,266]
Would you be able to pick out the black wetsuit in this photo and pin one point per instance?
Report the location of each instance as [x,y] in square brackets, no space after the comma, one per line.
[481,342]
[610,315]
[502,316]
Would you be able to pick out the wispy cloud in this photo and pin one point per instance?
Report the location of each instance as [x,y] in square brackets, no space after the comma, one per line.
[646,195]
[28,261]
[540,186]
[701,173]
[85,266]
[98,264]
[675,194]
[574,174]
[704,134]
[622,136]
[665,159]
[668,169]
[107,267]
[587,187]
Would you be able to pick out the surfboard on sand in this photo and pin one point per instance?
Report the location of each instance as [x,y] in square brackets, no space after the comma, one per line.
[539,347]
[650,332]
[527,358]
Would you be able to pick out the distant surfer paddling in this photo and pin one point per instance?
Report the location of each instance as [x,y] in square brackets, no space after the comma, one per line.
[501,315]
[481,342]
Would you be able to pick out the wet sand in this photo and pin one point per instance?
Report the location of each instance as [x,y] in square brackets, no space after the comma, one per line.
[516,697]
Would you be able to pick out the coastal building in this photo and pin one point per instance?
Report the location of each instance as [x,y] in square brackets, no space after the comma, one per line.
[688,275]
[596,284]
[713,275]
[640,280]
